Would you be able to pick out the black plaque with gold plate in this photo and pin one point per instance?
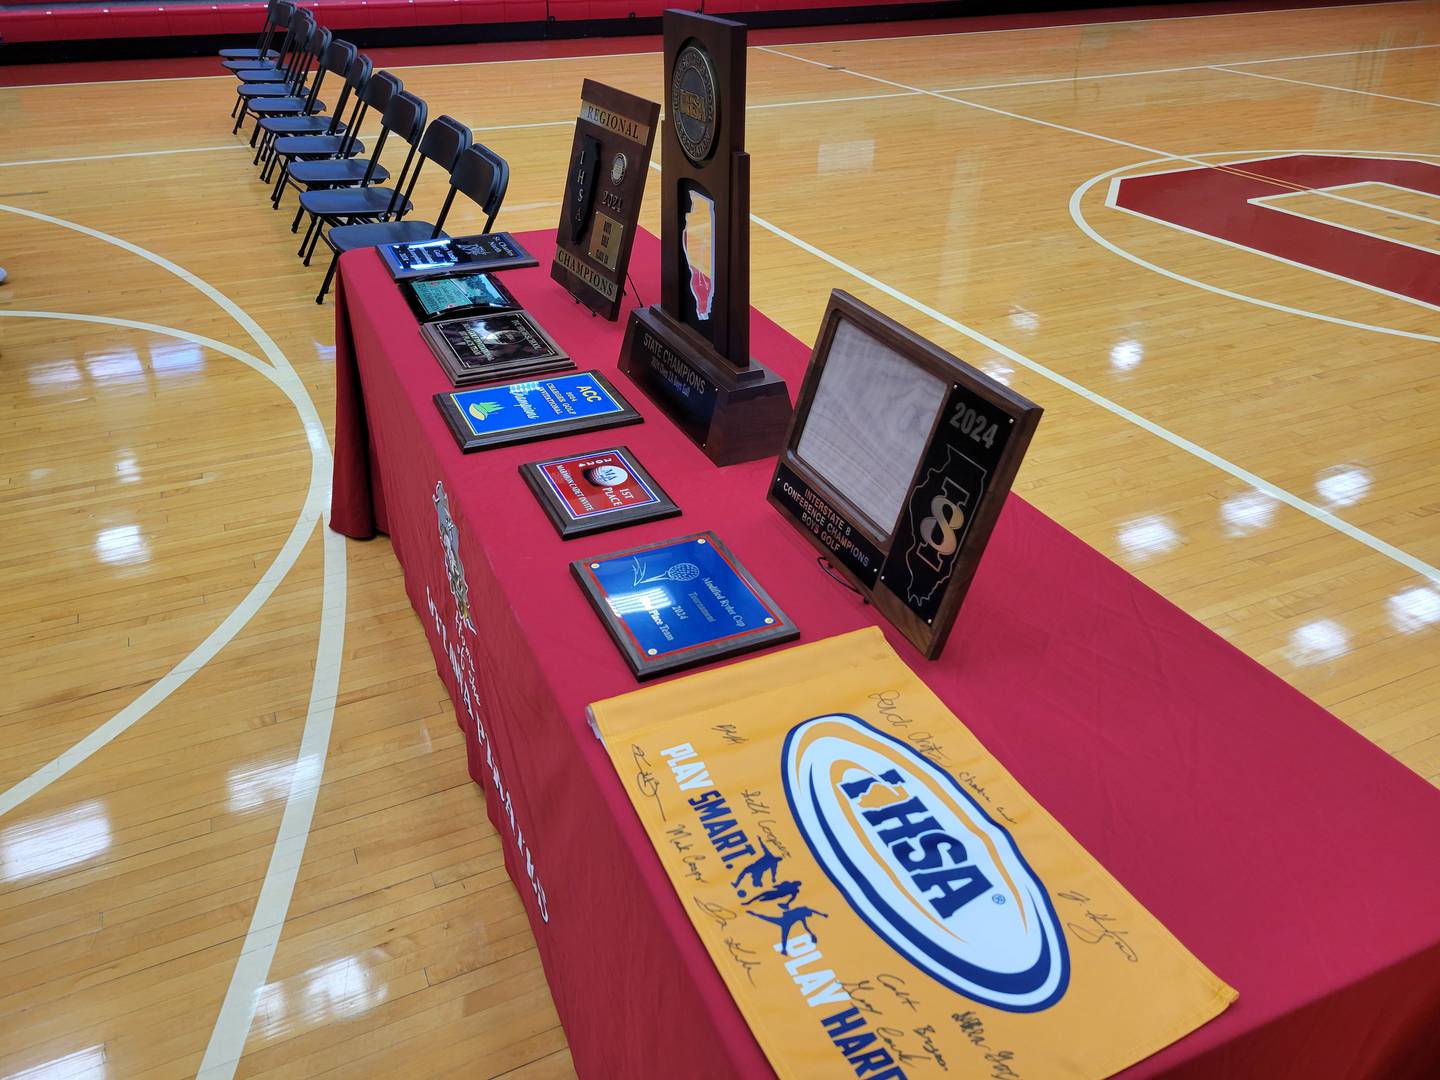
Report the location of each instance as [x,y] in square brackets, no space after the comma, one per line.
[609,163]
[691,352]
[897,464]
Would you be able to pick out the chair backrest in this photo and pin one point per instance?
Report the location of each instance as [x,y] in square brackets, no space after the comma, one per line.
[318,48]
[404,117]
[377,93]
[357,77]
[275,22]
[302,29]
[481,175]
[443,143]
[339,57]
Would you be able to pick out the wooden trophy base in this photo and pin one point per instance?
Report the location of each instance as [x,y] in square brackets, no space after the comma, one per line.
[732,415]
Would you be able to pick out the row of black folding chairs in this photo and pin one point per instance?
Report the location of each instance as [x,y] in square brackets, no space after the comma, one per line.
[297,145]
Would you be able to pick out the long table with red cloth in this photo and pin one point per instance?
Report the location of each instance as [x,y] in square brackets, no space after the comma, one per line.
[1296,860]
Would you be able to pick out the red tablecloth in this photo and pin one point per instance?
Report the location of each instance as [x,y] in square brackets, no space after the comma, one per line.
[1294,858]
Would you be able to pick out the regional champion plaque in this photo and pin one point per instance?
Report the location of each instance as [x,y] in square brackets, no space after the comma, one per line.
[603,191]
[532,409]
[589,493]
[897,464]
[679,603]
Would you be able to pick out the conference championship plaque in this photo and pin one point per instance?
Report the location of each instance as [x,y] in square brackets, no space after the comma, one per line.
[532,409]
[897,464]
[680,602]
[691,352]
[589,493]
[609,163]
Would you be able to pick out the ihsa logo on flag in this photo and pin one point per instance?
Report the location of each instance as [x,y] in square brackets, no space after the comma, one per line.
[924,865]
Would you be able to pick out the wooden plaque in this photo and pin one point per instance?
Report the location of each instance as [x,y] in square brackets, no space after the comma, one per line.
[679,603]
[609,163]
[897,463]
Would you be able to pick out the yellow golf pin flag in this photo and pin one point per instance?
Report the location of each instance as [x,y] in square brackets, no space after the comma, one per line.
[872,913]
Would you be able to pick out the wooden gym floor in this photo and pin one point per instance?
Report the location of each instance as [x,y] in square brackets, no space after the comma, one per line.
[235,822]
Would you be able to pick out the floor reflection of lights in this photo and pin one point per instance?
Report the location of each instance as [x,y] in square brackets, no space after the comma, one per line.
[1342,485]
[1318,642]
[1414,609]
[122,545]
[1247,513]
[333,991]
[1146,536]
[87,1064]
[54,842]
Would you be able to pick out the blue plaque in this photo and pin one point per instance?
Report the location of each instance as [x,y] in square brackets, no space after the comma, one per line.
[680,602]
[533,409]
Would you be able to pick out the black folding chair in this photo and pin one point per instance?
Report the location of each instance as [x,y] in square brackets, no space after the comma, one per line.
[339,59]
[341,167]
[263,102]
[479,173]
[297,66]
[292,42]
[444,141]
[371,92]
[275,23]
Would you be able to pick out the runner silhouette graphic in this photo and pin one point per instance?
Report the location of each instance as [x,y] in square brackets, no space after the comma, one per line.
[787,919]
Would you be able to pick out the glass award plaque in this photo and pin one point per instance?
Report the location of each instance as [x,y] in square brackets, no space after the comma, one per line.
[532,409]
[438,258]
[588,493]
[485,348]
[679,603]
[456,296]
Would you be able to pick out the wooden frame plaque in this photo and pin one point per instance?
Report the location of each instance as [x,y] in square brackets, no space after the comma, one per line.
[603,489]
[609,163]
[897,463]
[679,603]
[518,412]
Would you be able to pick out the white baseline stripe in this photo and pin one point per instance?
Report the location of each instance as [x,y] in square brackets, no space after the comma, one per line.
[1230,66]
[1323,86]
[129,154]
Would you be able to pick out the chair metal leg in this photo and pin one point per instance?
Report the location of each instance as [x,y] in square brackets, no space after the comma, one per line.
[236,106]
[279,190]
[314,242]
[314,221]
[240,118]
[329,276]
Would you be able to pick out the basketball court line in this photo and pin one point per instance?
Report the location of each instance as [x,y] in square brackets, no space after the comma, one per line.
[1230,65]
[1273,202]
[232,1025]
[1078,217]
[1162,155]
[1322,86]
[127,154]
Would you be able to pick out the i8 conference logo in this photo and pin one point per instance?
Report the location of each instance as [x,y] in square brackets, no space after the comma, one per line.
[924,865]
